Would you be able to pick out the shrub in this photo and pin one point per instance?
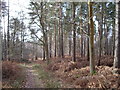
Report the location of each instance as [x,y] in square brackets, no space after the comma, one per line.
[10,70]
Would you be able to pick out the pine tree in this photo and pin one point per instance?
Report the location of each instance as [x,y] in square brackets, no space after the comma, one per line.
[91,51]
[117,42]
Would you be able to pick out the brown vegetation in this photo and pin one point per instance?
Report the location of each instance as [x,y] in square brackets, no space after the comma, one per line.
[77,73]
[11,72]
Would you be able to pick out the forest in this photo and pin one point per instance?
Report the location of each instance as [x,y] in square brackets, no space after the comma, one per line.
[60,45]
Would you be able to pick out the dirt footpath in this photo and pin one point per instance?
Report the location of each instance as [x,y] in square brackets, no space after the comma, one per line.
[32,78]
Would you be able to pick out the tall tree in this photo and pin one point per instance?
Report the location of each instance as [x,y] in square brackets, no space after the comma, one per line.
[55,52]
[81,31]
[0,35]
[0,46]
[45,38]
[8,35]
[61,30]
[117,42]
[100,29]
[5,42]
[74,31]
[91,51]
[38,15]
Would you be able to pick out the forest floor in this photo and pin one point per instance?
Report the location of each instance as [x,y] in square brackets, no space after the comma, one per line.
[64,73]
[77,74]
[32,78]
[37,77]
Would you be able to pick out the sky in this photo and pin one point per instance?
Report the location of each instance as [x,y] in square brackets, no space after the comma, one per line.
[15,7]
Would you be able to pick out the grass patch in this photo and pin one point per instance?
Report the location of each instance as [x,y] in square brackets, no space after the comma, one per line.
[48,80]
[36,66]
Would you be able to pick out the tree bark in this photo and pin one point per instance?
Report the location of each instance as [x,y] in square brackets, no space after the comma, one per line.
[8,37]
[0,46]
[50,44]
[70,43]
[88,47]
[74,32]
[21,50]
[81,31]
[43,52]
[117,42]
[59,37]
[5,42]
[55,40]
[61,29]
[91,51]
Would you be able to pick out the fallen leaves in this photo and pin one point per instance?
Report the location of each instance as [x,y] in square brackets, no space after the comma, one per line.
[78,75]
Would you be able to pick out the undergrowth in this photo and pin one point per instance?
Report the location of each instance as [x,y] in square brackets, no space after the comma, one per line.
[13,75]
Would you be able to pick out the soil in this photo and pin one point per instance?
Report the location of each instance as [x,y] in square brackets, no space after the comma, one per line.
[32,78]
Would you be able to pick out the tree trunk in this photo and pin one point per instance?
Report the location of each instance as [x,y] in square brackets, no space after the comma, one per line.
[101,36]
[21,52]
[113,36]
[74,32]
[33,52]
[36,47]
[59,39]
[106,40]
[43,52]
[8,37]
[55,40]
[81,31]
[117,42]
[91,51]
[5,45]
[50,44]
[84,50]
[61,51]
[61,29]
[46,49]
[45,39]
[88,56]
[100,44]
[70,43]
[0,46]
[81,44]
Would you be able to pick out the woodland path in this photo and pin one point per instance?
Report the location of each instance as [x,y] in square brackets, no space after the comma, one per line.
[32,78]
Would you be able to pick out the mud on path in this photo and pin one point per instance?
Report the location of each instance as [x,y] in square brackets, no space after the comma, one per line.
[32,78]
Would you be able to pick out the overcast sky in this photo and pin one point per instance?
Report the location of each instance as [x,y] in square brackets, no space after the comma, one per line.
[17,6]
